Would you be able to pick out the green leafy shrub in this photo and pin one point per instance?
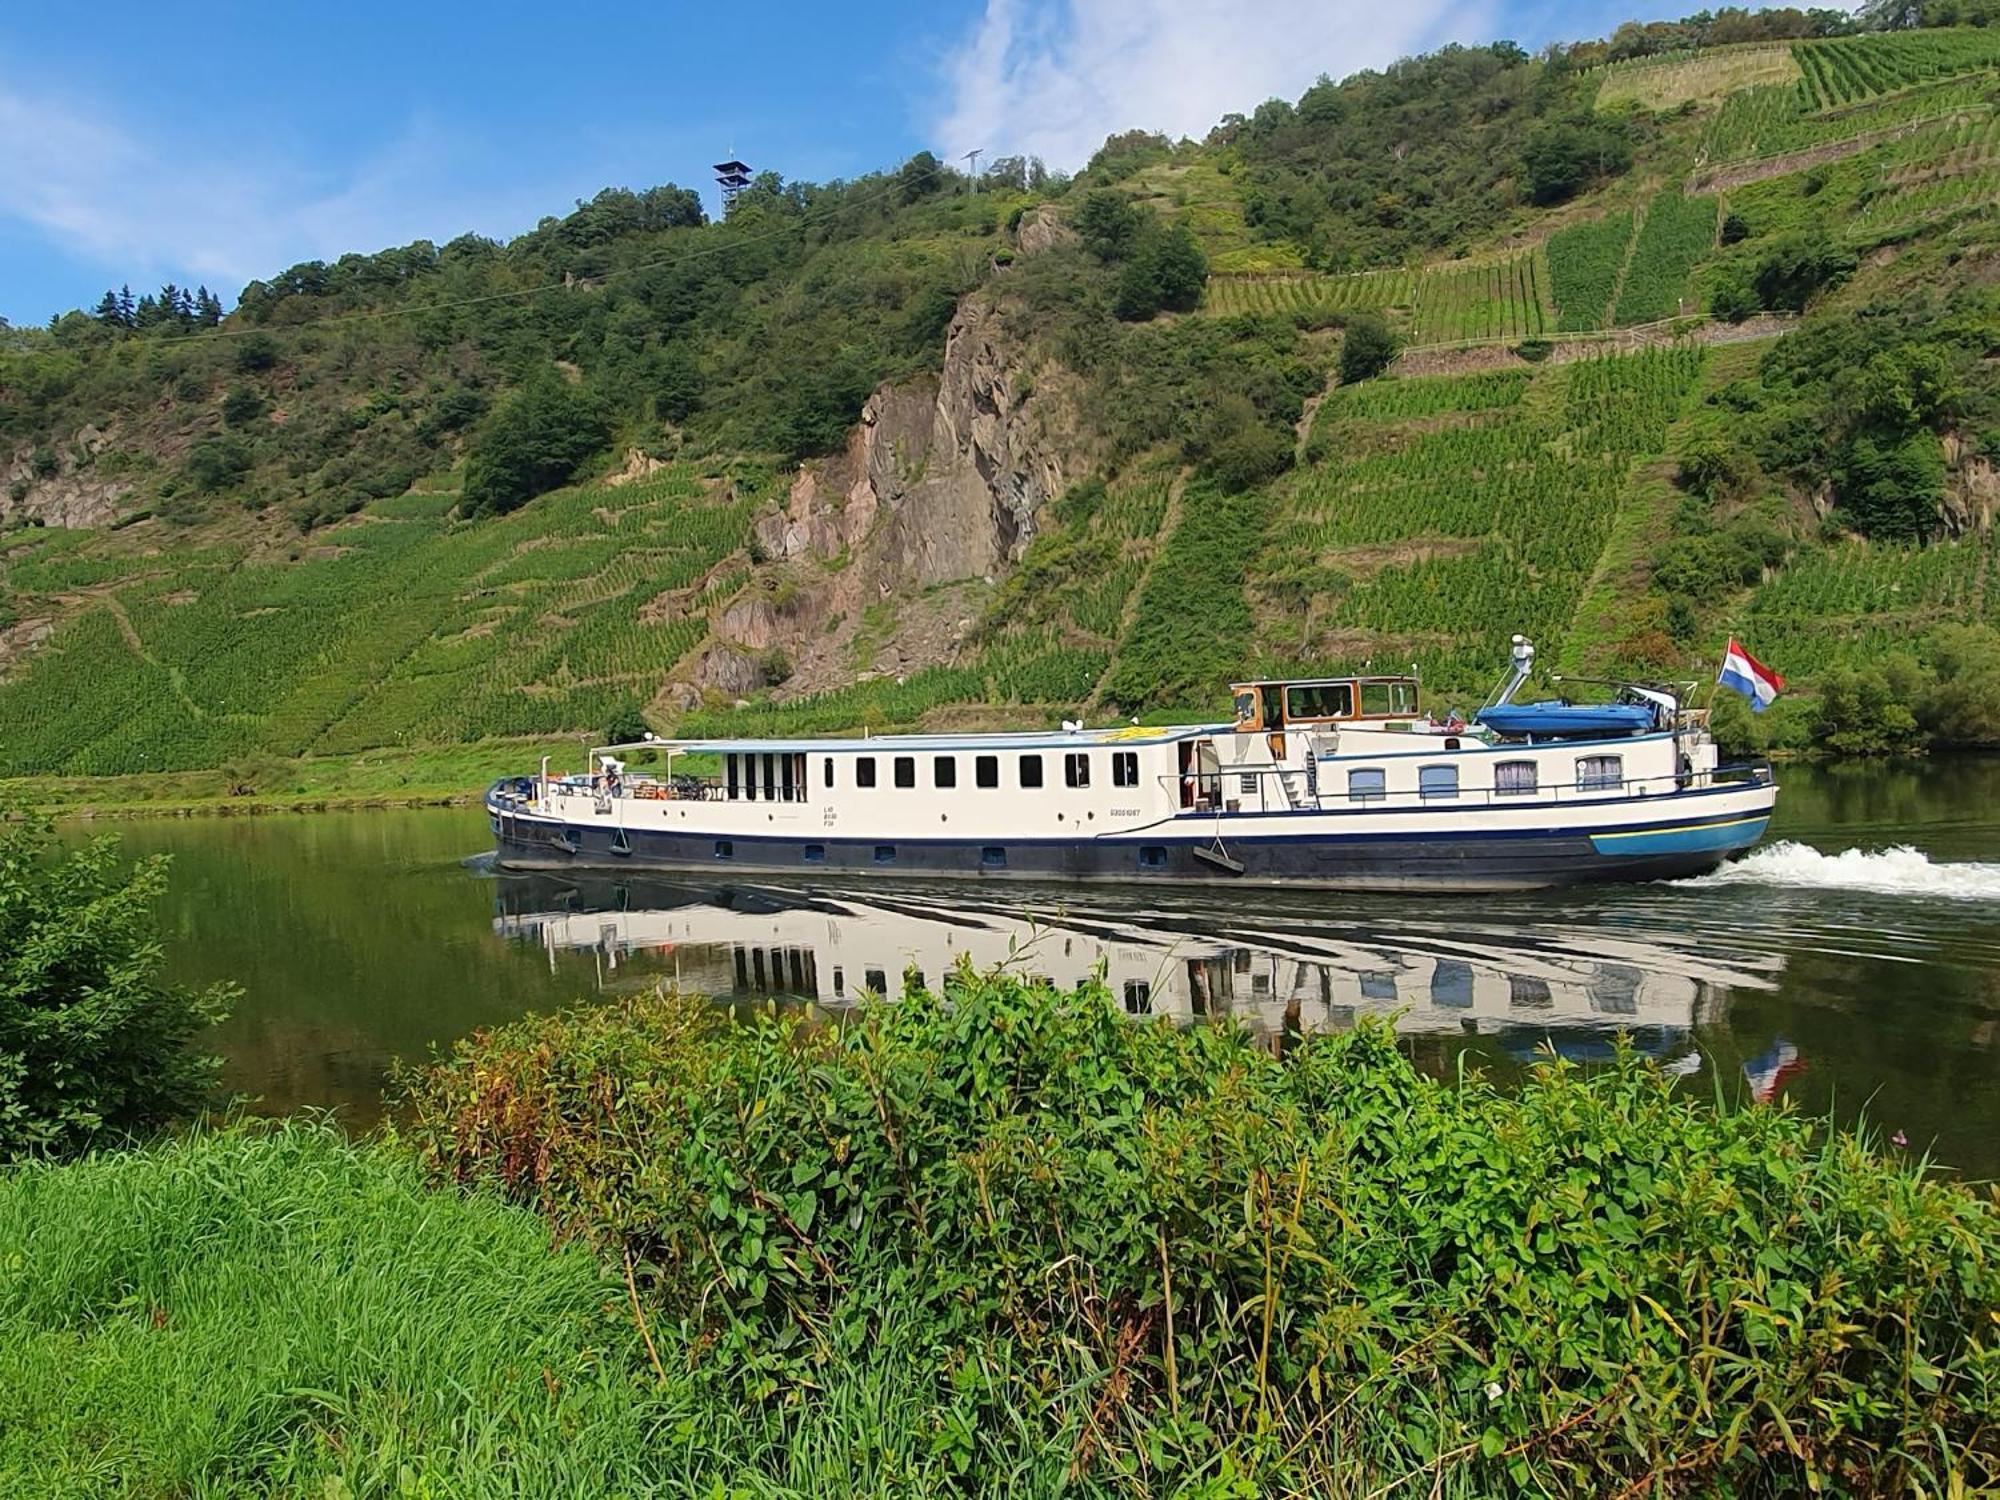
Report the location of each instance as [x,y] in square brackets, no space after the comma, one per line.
[1152,1244]
[1871,709]
[1366,347]
[94,1046]
[534,443]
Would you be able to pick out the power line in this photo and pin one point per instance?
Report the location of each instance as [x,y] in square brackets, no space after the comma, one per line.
[806,219]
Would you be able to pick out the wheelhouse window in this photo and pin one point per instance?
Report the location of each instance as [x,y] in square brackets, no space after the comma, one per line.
[1124,767]
[986,771]
[1031,772]
[1320,700]
[944,772]
[732,770]
[1438,782]
[1367,784]
[906,771]
[1516,778]
[1384,700]
[1599,772]
[1076,769]
[864,770]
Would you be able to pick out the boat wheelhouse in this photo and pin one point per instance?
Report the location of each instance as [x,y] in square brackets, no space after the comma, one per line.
[1336,781]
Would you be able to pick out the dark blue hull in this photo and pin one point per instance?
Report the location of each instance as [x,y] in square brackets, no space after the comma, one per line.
[1454,861]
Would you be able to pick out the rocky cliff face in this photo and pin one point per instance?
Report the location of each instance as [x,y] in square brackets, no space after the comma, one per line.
[942,483]
[76,494]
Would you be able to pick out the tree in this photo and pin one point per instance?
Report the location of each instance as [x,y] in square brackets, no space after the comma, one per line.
[1870,710]
[1796,266]
[108,311]
[1366,348]
[94,1047]
[1890,488]
[676,383]
[534,443]
[1108,224]
[1563,157]
[1964,707]
[1167,270]
[922,175]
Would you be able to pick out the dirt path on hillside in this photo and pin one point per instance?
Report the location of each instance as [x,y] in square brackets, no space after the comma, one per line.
[1471,359]
[1725,175]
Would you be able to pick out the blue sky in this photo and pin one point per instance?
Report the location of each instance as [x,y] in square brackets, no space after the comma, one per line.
[211,142]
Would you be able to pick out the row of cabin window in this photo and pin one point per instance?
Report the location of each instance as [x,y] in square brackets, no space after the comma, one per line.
[986,770]
[1511,778]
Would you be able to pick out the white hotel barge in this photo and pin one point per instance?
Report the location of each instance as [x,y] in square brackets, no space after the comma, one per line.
[1337,782]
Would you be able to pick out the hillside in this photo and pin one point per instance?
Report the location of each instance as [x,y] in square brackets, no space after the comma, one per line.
[1697,342]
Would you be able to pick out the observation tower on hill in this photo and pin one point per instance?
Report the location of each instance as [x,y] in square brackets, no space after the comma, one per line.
[731,178]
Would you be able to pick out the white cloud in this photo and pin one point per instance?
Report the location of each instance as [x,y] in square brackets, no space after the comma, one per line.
[1053,78]
[142,207]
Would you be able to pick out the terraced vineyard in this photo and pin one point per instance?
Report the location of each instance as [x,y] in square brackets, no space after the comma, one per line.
[1842,70]
[1660,83]
[1494,299]
[1282,292]
[1677,234]
[405,630]
[1764,122]
[1854,601]
[1584,261]
[1460,510]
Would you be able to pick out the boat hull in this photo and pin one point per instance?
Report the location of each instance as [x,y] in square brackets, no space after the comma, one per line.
[1669,843]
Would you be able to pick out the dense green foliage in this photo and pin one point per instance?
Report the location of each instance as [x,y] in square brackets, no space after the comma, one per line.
[1170,1257]
[94,1045]
[533,443]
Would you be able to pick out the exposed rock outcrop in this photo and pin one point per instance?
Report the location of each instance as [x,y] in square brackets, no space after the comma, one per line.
[1972,492]
[76,494]
[941,483]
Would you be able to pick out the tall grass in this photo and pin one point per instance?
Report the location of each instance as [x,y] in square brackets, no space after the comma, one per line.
[281,1312]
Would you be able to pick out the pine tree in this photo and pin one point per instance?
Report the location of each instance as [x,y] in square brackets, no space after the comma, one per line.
[107,311]
[184,305]
[127,312]
[147,313]
[170,303]
[207,307]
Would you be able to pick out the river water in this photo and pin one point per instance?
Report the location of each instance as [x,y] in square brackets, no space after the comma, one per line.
[1850,964]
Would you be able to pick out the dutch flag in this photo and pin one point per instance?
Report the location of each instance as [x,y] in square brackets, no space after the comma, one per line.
[1750,677]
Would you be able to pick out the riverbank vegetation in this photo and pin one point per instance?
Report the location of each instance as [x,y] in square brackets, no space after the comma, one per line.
[997,1239]
[1179,1260]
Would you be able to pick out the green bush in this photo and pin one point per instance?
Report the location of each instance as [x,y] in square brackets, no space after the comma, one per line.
[1872,709]
[1157,1250]
[94,1046]
[1366,347]
[1963,707]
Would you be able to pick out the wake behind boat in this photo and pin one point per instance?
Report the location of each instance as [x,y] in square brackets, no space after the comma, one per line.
[1339,782]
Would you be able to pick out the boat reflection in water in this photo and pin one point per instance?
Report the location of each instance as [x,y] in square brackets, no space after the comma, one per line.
[1524,984]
